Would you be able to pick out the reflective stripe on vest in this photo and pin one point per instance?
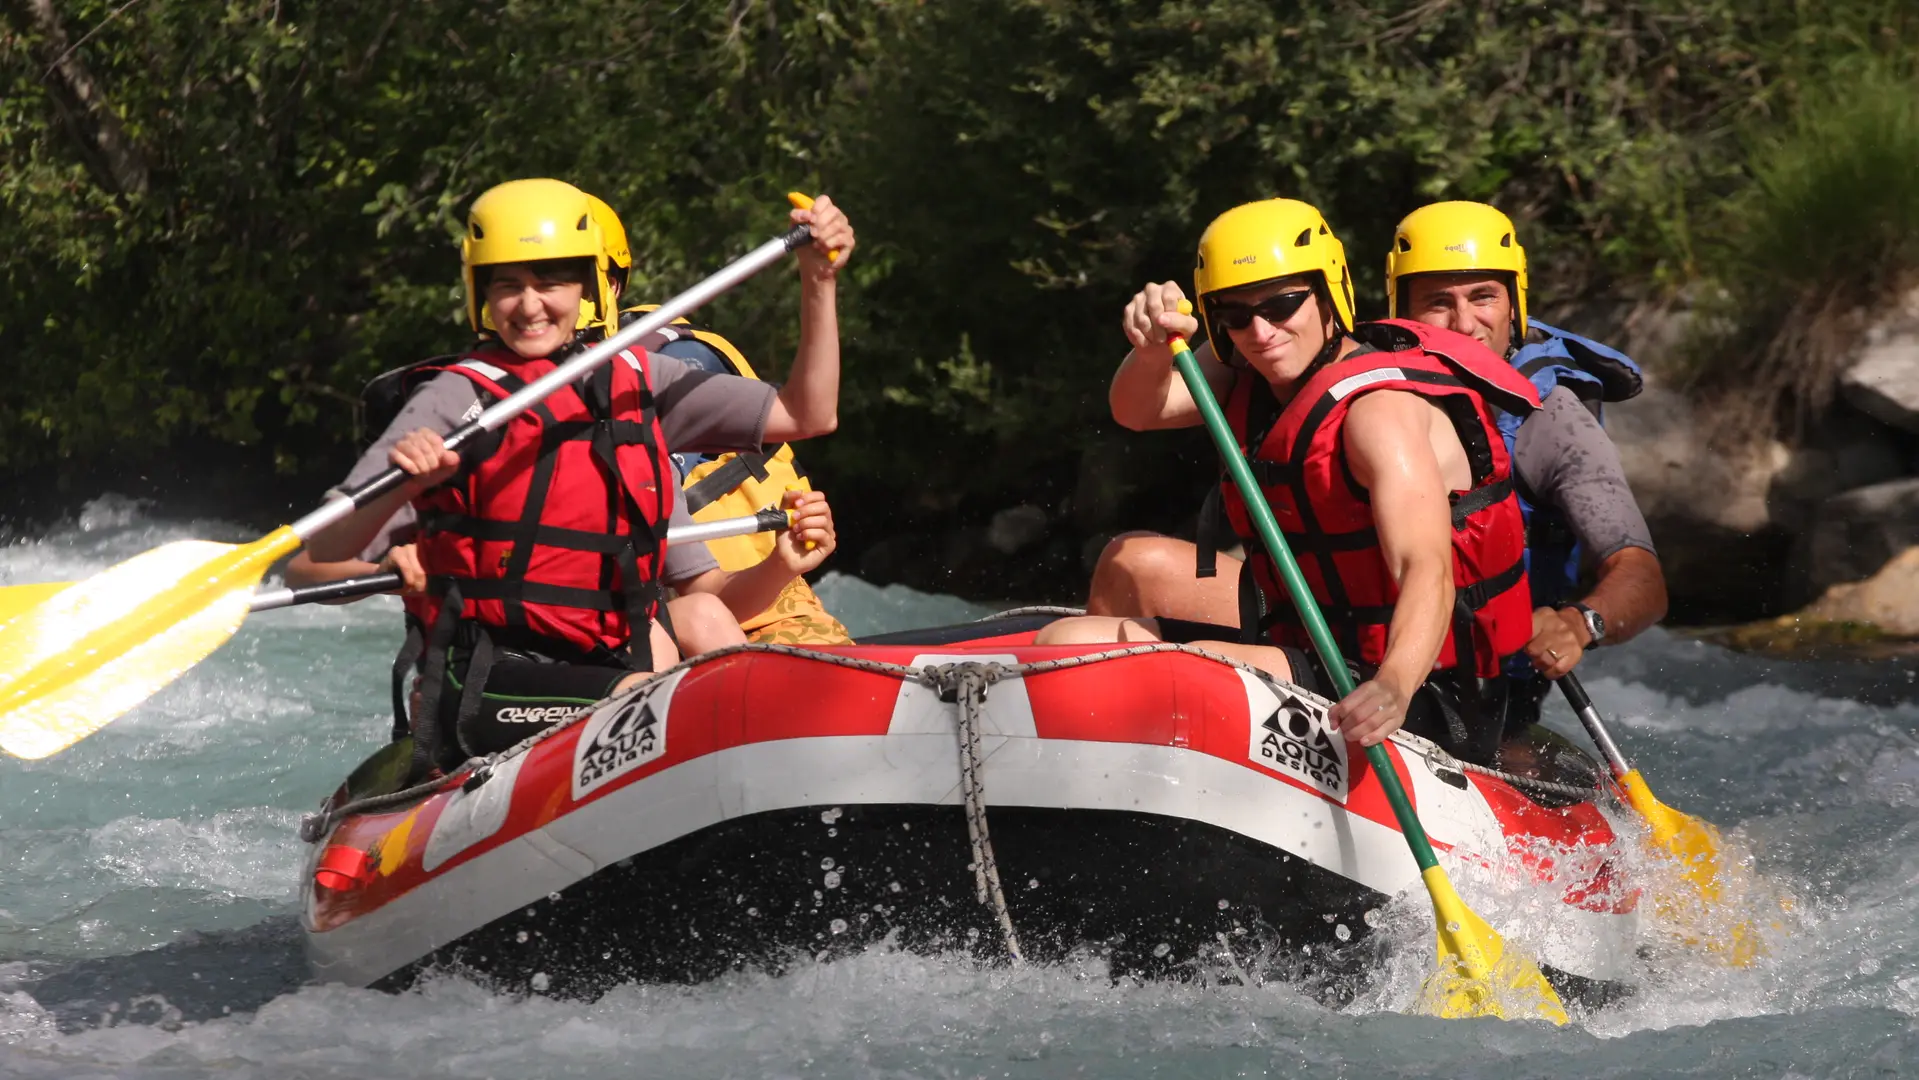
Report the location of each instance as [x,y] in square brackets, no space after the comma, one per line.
[1327,516]
[557,533]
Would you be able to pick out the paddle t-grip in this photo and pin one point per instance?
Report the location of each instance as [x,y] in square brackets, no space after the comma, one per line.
[802,201]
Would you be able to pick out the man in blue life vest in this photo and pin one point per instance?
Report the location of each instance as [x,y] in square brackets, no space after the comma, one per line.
[1459,266]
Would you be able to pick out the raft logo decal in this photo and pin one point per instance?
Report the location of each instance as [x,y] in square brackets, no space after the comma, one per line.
[1290,735]
[622,735]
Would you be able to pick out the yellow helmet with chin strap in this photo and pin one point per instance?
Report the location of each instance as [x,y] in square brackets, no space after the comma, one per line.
[530,221]
[1262,241]
[1456,237]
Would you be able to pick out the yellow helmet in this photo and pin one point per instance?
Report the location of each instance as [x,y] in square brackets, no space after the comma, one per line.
[1261,241]
[1451,237]
[613,234]
[525,221]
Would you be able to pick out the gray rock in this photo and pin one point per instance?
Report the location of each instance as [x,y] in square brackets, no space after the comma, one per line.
[1889,599]
[1678,475]
[1016,528]
[1851,452]
[1884,384]
[1855,534]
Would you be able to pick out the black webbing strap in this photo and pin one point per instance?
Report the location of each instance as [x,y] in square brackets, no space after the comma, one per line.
[1479,498]
[721,481]
[509,531]
[403,665]
[512,592]
[1253,619]
[427,736]
[642,594]
[1480,593]
[479,667]
[1207,533]
[1466,669]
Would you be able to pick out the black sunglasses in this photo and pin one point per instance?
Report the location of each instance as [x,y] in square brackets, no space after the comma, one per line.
[1275,309]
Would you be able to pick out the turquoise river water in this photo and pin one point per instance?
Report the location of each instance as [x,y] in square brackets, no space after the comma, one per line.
[148,915]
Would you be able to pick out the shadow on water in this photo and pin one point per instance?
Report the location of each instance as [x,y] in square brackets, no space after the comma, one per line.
[203,976]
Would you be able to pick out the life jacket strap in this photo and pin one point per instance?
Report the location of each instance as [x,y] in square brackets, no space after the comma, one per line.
[721,481]
[487,529]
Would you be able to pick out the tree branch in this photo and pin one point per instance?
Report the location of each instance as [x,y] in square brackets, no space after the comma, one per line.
[82,105]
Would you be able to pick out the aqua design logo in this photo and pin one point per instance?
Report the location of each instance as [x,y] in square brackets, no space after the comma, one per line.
[622,735]
[1289,734]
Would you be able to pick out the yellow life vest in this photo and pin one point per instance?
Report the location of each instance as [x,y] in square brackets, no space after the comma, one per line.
[735,485]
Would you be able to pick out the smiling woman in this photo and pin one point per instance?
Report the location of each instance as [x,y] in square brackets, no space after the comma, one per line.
[536,306]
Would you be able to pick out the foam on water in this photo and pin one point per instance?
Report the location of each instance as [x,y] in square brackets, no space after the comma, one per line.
[147,904]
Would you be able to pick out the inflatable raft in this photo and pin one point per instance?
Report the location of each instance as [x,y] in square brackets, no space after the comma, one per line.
[954,789]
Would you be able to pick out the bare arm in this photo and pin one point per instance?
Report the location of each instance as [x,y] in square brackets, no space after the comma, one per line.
[1567,460]
[423,456]
[1147,392]
[1630,593]
[808,405]
[1389,444]
[799,550]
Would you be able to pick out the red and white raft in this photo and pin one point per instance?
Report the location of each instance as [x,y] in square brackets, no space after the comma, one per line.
[760,806]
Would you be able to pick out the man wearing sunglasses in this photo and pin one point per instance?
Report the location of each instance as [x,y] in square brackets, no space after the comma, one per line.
[1460,266]
[1377,447]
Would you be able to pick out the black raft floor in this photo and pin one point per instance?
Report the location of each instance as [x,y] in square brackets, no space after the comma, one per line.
[1157,897]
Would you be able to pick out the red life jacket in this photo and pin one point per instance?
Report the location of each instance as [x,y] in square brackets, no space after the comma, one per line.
[1327,518]
[556,532]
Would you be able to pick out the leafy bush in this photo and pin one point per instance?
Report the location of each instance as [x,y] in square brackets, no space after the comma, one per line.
[1828,229]
[222,217]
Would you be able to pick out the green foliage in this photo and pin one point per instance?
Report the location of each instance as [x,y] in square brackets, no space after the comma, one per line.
[257,211]
[1831,228]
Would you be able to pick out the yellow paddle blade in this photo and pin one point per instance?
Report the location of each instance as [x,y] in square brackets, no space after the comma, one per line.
[1478,975]
[15,600]
[1698,852]
[84,656]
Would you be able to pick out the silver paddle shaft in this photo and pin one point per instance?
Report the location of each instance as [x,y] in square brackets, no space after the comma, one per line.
[1576,696]
[573,370]
[771,519]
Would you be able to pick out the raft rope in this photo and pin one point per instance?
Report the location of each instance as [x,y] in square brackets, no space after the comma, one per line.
[964,683]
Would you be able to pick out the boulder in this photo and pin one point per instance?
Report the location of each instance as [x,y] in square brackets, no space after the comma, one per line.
[1854,534]
[1846,451]
[1884,382]
[1888,600]
[1016,528]
[1679,475]
[1710,509]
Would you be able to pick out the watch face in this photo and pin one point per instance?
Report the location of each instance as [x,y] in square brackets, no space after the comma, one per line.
[1595,623]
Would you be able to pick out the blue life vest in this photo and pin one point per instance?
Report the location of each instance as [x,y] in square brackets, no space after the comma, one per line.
[1595,374]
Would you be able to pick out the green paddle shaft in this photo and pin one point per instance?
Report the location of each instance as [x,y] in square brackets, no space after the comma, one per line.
[1316,627]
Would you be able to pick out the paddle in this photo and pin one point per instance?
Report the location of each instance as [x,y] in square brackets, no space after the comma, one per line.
[771,519]
[77,660]
[1478,976]
[1694,843]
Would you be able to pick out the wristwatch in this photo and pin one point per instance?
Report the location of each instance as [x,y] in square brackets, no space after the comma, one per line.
[1595,625]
